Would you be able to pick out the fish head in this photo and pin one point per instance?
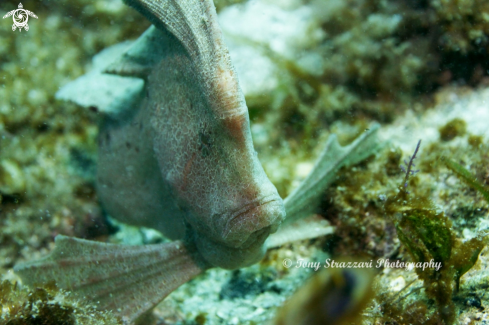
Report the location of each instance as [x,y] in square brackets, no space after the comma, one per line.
[202,141]
[230,204]
[233,206]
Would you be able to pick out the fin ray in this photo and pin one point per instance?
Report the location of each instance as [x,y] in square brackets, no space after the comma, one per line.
[127,279]
[302,229]
[138,60]
[306,197]
[194,24]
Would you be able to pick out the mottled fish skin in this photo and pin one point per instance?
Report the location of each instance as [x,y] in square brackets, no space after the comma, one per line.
[185,159]
[129,181]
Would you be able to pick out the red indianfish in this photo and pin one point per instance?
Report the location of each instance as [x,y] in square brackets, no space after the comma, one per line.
[181,162]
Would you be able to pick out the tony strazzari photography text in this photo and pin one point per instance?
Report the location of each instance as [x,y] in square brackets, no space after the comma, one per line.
[386,263]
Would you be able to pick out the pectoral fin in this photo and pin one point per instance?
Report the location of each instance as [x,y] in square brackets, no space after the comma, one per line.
[306,197]
[303,229]
[129,280]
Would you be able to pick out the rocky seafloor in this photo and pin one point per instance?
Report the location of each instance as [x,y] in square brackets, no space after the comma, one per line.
[308,69]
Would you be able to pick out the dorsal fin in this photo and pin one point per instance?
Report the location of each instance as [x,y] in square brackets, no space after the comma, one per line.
[194,24]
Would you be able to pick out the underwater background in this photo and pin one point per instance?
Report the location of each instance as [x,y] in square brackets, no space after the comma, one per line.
[309,69]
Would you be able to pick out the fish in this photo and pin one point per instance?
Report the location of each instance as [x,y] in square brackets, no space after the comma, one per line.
[331,296]
[178,156]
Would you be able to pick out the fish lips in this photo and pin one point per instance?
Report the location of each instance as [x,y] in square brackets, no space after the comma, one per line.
[251,224]
[241,241]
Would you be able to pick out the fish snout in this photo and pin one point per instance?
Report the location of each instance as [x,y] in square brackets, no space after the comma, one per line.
[252,224]
[241,241]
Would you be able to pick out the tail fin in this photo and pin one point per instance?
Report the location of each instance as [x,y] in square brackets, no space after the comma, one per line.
[305,198]
[129,280]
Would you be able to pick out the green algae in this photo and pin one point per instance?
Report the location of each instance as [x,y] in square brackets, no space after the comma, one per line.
[48,306]
[466,177]
[427,235]
[452,129]
[464,23]
[426,223]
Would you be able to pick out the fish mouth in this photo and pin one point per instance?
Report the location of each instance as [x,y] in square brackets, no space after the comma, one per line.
[253,222]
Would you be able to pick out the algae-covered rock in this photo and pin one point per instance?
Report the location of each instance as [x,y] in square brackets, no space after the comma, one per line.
[12,180]
[47,306]
[48,148]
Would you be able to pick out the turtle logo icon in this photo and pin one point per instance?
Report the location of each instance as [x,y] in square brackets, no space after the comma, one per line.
[20,16]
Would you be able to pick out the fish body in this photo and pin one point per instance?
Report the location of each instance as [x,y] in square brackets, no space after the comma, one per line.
[183,162]
[179,157]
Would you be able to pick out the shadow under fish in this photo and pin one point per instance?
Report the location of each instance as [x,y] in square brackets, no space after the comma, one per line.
[177,156]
